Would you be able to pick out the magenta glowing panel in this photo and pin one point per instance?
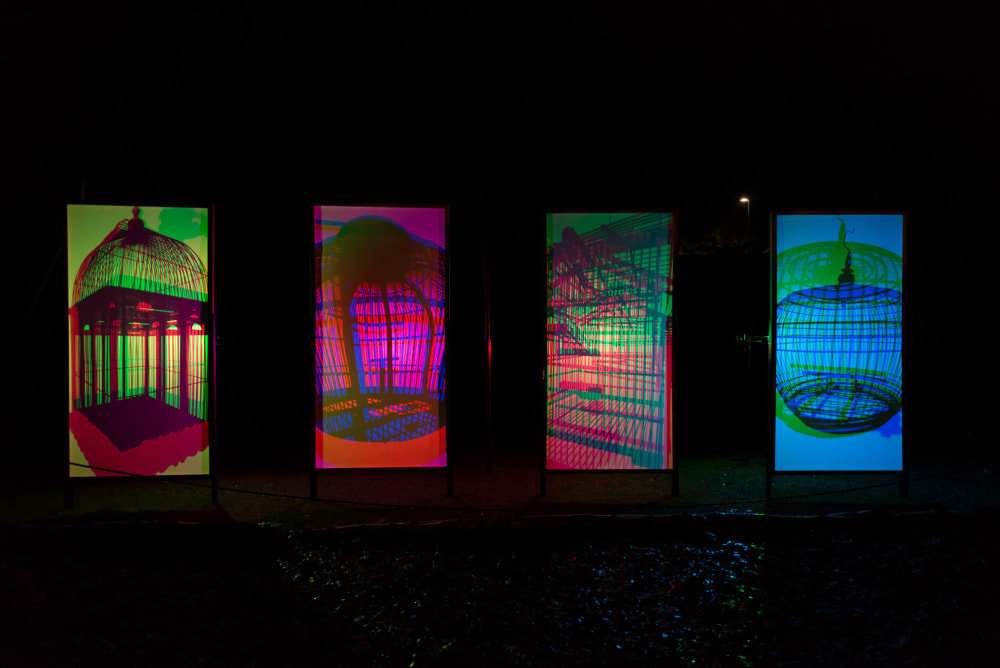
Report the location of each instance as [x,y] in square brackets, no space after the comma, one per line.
[380,336]
[609,341]
[138,349]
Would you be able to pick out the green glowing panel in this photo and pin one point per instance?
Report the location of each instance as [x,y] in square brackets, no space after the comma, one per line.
[139,354]
[609,341]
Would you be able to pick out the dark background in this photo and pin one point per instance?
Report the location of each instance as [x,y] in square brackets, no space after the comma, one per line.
[503,111]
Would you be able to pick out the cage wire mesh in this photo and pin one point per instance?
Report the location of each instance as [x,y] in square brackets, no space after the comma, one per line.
[608,332]
[138,298]
[839,344]
[133,256]
[139,357]
[379,334]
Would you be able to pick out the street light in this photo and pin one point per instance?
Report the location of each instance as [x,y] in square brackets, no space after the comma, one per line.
[746,200]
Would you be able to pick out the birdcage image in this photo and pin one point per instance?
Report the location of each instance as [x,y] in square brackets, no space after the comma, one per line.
[139,352]
[609,340]
[380,339]
[839,335]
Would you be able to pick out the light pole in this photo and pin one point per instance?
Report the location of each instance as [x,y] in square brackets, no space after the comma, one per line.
[746,200]
[748,346]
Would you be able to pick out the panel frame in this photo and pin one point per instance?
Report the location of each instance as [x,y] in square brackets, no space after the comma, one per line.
[772,471]
[674,470]
[208,323]
[314,470]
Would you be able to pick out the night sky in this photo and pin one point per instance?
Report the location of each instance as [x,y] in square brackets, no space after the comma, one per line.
[503,111]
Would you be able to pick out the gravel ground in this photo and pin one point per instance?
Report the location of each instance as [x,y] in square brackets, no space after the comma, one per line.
[871,589]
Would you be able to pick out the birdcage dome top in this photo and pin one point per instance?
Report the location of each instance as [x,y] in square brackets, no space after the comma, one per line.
[817,264]
[133,256]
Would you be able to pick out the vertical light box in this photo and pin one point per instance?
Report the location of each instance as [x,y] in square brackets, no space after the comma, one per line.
[609,341]
[838,341]
[380,336]
[138,294]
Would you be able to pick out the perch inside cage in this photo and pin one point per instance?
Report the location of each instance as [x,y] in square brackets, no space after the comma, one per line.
[380,334]
[839,346]
[137,334]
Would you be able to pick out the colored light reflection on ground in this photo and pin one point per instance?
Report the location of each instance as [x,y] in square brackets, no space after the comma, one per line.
[839,571]
[527,601]
[906,590]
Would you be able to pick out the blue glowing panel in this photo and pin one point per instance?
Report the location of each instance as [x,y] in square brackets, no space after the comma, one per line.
[838,342]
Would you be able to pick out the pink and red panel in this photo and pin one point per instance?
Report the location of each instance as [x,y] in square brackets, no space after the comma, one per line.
[380,336]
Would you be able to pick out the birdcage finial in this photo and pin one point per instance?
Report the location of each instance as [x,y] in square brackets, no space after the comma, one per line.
[846,274]
[137,224]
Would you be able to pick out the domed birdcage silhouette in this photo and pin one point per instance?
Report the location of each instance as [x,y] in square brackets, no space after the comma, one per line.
[380,309]
[137,335]
[839,344]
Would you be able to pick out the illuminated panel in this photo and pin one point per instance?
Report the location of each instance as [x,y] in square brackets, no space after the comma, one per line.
[380,338]
[838,342]
[609,341]
[138,376]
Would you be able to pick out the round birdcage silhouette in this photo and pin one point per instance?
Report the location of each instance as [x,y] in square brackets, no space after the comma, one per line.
[379,334]
[839,345]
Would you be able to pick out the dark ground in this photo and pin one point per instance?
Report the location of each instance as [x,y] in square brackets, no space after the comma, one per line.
[841,571]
